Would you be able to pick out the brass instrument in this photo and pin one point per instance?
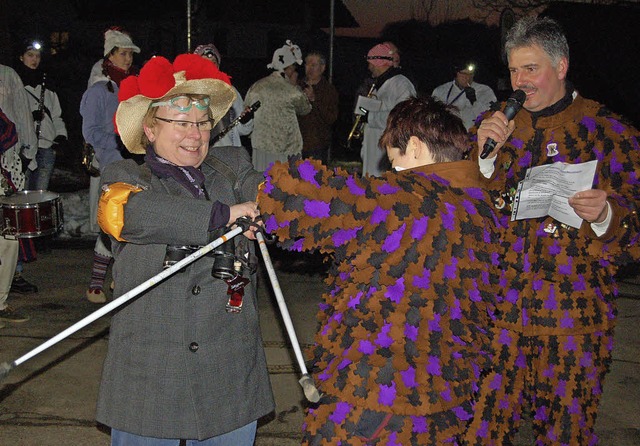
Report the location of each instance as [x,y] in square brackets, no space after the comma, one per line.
[358,124]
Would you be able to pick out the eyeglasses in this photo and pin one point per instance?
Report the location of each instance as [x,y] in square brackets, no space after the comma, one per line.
[184,103]
[185,126]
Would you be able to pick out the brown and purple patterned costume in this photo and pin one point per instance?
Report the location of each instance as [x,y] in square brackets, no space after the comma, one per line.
[402,328]
[554,324]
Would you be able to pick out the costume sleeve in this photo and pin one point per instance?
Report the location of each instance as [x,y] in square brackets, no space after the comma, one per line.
[301,104]
[618,153]
[309,206]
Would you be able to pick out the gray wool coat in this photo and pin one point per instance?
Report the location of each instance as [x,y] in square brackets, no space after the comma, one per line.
[178,365]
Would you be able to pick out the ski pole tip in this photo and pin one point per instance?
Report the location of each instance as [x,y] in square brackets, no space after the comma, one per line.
[309,388]
[5,368]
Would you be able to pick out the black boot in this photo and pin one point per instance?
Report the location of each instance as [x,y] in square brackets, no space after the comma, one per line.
[19,285]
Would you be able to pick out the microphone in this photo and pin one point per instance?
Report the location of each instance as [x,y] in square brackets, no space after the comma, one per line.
[514,104]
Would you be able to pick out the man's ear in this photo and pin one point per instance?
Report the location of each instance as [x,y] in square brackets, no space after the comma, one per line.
[417,147]
[148,131]
[562,68]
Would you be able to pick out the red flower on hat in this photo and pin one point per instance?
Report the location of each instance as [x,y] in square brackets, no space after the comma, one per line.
[156,76]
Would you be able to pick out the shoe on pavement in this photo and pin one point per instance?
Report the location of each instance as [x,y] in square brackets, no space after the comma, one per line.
[19,285]
[11,315]
[96,295]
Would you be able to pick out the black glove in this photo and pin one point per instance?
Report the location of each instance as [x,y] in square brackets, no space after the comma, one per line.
[470,93]
[38,115]
[58,142]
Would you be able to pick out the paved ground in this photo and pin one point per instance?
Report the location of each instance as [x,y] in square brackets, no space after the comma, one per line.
[50,399]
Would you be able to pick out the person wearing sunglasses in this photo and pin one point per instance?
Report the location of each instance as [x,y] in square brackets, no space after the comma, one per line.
[181,364]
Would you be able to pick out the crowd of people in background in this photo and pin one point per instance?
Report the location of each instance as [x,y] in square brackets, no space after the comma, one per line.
[444,318]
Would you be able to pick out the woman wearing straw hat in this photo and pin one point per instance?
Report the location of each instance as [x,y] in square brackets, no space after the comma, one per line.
[179,365]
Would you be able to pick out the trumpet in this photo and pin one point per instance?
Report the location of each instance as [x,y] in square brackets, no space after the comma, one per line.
[358,123]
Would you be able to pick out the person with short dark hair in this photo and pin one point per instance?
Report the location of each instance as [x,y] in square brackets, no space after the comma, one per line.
[402,327]
[316,127]
[554,327]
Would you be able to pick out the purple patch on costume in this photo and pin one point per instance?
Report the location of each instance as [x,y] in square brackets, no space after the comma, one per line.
[366,347]
[548,372]
[433,366]
[446,394]
[566,321]
[462,414]
[589,123]
[378,215]
[411,332]
[344,275]
[579,285]
[541,414]
[454,311]
[615,166]
[554,249]
[308,172]
[423,281]
[504,403]
[409,377]
[574,409]
[448,217]
[469,207]
[419,227]
[354,188]
[419,424]
[525,317]
[344,363]
[316,208]
[586,360]
[354,301]
[341,412]
[504,338]
[512,296]
[434,324]
[392,242]
[525,159]
[517,143]
[324,375]
[571,345]
[521,362]
[343,236]
[268,185]
[383,339]
[496,382]
[566,269]
[551,302]
[616,126]
[387,189]
[561,388]
[271,224]
[475,192]
[517,245]
[474,293]
[297,245]
[483,430]
[387,394]
[537,284]
[451,270]
[395,292]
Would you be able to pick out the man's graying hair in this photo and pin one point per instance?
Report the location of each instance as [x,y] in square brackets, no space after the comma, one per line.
[543,32]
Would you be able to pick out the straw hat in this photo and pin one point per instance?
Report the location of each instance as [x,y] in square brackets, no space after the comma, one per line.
[159,78]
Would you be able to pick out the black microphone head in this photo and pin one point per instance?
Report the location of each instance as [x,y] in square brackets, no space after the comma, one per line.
[519,96]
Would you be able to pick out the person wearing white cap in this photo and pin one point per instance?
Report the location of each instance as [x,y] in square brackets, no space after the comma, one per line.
[390,88]
[97,107]
[276,134]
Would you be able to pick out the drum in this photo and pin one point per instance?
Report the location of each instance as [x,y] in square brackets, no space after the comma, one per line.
[31,213]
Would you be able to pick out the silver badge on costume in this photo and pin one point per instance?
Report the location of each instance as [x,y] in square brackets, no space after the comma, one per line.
[552,149]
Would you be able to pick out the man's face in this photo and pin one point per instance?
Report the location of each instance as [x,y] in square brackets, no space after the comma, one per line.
[464,78]
[313,67]
[376,70]
[533,72]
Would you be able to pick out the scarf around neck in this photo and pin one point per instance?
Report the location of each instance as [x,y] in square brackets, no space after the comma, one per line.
[189,177]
